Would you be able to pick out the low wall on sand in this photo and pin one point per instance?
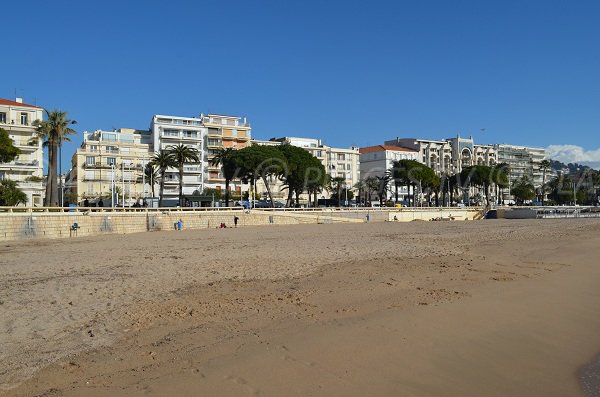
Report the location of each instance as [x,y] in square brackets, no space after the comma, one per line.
[32,223]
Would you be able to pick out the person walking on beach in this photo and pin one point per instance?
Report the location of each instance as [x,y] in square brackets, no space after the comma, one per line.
[235,221]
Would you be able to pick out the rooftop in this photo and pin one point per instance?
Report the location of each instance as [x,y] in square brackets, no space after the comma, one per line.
[8,102]
[380,148]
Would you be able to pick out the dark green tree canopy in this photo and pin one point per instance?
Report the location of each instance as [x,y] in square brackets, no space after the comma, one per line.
[8,152]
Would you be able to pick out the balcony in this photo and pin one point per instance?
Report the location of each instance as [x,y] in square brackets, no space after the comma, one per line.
[22,164]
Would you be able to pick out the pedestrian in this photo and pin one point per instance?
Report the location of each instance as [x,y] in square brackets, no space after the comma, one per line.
[179,224]
[100,203]
[235,220]
[86,203]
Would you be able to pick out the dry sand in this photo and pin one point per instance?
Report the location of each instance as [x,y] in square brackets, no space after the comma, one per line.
[489,308]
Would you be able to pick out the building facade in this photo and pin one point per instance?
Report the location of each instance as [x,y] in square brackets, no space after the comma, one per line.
[338,162]
[171,131]
[522,162]
[111,160]
[223,132]
[449,156]
[17,118]
[376,160]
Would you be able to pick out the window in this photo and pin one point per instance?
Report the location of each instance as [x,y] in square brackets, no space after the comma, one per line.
[171,133]
[3,118]
[89,175]
[112,149]
[24,119]
[317,153]
[90,188]
[109,137]
[111,160]
[93,148]
[190,134]
[341,157]
[90,160]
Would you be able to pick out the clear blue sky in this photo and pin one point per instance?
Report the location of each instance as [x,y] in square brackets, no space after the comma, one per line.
[351,73]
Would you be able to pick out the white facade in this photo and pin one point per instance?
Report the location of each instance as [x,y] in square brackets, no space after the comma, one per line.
[376,160]
[17,119]
[171,131]
[449,156]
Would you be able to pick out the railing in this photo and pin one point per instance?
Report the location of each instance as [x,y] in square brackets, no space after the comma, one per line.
[88,210]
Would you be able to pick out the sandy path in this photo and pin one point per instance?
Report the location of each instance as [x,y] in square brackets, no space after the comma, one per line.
[371,308]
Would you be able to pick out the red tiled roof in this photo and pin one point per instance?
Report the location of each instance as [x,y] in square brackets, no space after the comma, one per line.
[380,148]
[13,103]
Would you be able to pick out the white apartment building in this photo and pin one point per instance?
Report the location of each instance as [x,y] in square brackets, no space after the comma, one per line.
[17,119]
[449,156]
[376,160]
[522,161]
[111,158]
[171,131]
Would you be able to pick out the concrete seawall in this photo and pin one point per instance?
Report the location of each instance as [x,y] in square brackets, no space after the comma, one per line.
[35,223]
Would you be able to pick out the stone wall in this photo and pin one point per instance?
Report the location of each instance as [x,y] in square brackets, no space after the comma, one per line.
[16,225]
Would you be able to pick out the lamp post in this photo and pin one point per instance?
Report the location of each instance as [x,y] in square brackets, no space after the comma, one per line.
[112,185]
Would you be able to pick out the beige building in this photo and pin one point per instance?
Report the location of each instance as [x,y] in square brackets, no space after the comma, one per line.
[522,162]
[224,132]
[17,119]
[111,158]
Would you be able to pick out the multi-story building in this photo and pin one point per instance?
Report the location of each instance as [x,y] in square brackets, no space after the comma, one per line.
[522,161]
[376,160]
[171,131]
[17,119]
[223,132]
[448,156]
[338,162]
[111,158]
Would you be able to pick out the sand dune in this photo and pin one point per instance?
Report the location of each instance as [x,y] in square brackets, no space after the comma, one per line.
[424,309]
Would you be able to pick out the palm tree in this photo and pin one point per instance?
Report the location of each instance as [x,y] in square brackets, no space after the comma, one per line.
[227,159]
[151,174]
[544,167]
[336,184]
[162,160]
[372,185]
[183,154]
[53,132]
[361,186]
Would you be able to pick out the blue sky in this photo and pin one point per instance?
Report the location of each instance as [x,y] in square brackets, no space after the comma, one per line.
[351,73]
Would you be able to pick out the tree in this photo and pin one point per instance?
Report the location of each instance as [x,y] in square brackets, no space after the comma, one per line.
[545,165]
[8,152]
[317,179]
[261,161]
[162,160]
[10,194]
[337,184]
[372,186]
[183,154]
[298,171]
[53,132]
[500,177]
[361,186]
[151,175]
[228,161]
[523,191]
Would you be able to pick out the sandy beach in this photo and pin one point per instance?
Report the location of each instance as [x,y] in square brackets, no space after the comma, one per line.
[481,308]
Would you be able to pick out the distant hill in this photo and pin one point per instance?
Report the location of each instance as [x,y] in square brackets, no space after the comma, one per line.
[572,167]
